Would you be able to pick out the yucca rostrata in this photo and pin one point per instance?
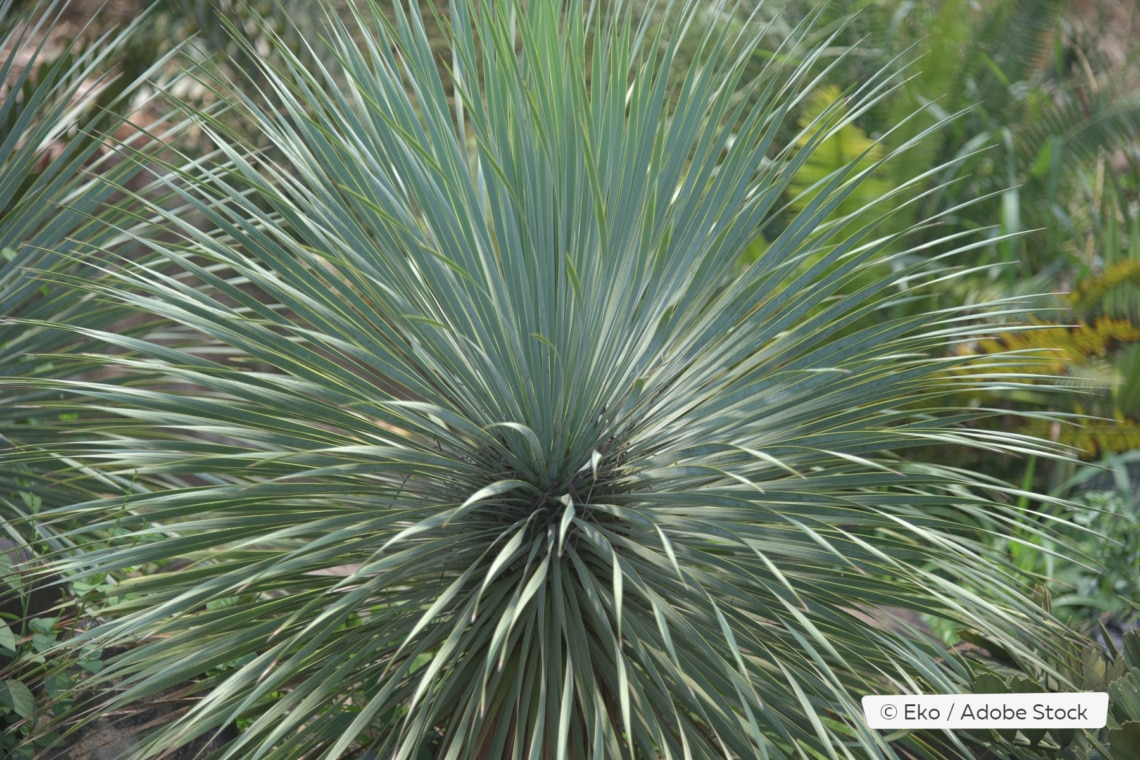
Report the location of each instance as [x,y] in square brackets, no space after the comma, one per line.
[479,444]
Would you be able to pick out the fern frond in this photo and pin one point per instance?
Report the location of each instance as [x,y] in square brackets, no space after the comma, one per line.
[1093,290]
[1093,437]
[1060,346]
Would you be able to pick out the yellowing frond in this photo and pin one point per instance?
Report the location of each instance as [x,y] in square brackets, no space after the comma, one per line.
[1094,438]
[1092,290]
[1054,350]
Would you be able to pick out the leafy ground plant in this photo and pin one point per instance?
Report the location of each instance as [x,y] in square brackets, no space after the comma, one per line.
[488,449]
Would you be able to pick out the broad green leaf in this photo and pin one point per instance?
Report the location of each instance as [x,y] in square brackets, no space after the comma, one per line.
[17,697]
[7,637]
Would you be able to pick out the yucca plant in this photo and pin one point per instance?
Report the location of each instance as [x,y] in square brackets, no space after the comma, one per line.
[487,449]
[61,102]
